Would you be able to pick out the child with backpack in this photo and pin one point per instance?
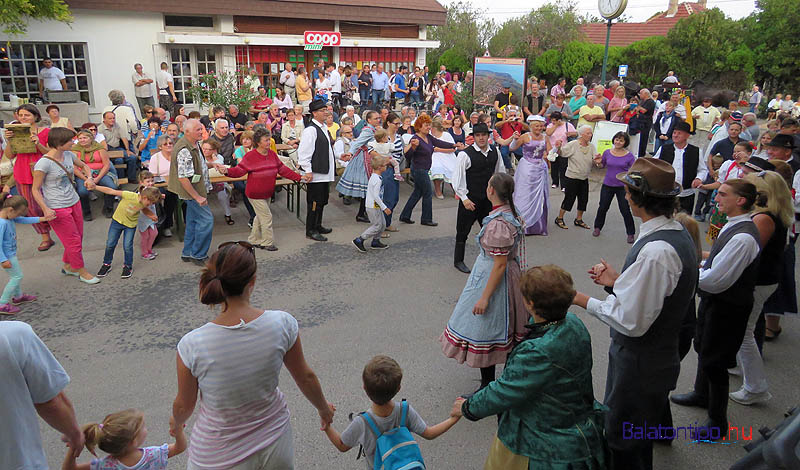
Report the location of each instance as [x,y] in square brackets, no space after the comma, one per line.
[384,432]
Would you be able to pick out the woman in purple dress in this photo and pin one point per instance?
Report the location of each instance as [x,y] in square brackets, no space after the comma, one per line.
[532,182]
[617,160]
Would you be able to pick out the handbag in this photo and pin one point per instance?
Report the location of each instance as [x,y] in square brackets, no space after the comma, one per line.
[7,166]
[69,175]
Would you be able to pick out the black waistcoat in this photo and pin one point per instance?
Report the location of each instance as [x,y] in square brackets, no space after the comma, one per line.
[741,292]
[320,160]
[480,171]
[691,161]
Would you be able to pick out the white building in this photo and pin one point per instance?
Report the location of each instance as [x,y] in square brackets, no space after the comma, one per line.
[98,50]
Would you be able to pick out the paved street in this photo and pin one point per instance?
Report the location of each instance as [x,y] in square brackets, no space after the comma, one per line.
[117,340]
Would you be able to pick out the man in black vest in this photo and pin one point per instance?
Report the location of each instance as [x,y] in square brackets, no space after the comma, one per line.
[690,168]
[475,165]
[648,302]
[726,284]
[315,157]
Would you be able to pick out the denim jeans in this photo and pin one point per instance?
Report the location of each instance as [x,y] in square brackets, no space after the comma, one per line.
[199,223]
[415,99]
[114,231]
[423,189]
[241,186]
[391,192]
[505,152]
[130,161]
[83,193]
[660,143]
[377,99]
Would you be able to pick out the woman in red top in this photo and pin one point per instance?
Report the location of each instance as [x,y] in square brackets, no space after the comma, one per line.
[23,175]
[449,94]
[262,167]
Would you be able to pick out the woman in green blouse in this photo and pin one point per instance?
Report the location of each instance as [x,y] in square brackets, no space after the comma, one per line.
[549,418]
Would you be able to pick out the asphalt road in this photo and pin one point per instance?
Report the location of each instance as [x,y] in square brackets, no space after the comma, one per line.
[117,340]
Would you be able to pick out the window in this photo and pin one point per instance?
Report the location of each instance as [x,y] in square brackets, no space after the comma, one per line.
[20,63]
[187,62]
[188,21]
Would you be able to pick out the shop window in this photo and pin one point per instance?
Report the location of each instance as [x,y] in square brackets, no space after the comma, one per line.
[188,61]
[20,63]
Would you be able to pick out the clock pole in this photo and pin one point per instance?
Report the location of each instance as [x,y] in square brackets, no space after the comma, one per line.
[605,55]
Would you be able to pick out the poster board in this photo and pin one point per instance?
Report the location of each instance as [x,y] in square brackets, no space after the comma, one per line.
[604,132]
[489,75]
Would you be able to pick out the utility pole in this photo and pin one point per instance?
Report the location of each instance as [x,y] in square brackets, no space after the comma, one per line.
[605,54]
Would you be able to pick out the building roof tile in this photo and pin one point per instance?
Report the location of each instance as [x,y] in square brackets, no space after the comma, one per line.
[625,34]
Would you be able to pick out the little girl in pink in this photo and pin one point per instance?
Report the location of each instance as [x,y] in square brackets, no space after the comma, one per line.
[146,227]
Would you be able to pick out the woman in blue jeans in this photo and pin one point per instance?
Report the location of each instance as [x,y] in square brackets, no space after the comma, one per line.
[391,186]
[420,152]
[96,158]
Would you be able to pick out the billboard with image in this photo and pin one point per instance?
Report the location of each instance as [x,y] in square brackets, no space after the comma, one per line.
[491,73]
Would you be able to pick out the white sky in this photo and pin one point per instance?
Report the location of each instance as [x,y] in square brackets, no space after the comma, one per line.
[637,10]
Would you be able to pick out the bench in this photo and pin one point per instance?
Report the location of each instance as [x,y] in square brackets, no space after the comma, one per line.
[112,154]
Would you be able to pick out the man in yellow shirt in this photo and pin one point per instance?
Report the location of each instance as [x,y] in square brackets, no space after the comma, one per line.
[590,114]
[303,88]
[705,117]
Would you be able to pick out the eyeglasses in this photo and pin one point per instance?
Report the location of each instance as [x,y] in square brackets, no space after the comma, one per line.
[241,243]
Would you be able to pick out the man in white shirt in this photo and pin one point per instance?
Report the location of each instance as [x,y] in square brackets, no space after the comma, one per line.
[51,77]
[647,306]
[287,79]
[475,166]
[142,88]
[675,99]
[335,84]
[316,159]
[166,88]
[726,284]
[690,167]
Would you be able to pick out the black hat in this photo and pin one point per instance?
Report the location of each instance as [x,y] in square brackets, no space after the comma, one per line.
[651,176]
[316,105]
[783,141]
[480,128]
[759,164]
[683,126]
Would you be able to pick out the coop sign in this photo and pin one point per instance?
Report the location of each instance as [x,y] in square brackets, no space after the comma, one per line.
[316,40]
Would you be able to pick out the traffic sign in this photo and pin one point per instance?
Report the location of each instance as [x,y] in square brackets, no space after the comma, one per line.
[623,71]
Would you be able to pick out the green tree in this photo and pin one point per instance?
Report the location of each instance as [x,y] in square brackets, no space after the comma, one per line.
[15,14]
[455,59]
[467,31]
[548,65]
[648,60]
[772,35]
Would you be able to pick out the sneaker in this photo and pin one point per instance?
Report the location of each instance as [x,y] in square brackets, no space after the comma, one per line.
[737,371]
[743,397]
[126,272]
[167,232]
[149,256]
[24,298]
[554,186]
[104,269]
[359,244]
[377,245]
[8,309]
[200,262]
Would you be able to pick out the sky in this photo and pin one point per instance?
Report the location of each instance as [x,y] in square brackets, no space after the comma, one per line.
[637,10]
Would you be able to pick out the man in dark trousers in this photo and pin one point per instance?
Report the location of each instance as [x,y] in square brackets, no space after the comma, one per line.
[690,167]
[645,310]
[475,165]
[315,157]
[644,119]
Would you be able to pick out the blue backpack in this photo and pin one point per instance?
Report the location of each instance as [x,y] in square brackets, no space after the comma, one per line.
[396,448]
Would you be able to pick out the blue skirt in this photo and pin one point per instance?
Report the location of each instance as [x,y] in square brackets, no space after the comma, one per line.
[354,180]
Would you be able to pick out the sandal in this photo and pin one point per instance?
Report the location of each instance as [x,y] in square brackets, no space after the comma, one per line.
[229,220]
[580,223]
[561,224]
[774,334]
[46,245]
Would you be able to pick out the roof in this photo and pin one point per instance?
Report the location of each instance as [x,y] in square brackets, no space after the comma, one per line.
[625,34]
[428,12]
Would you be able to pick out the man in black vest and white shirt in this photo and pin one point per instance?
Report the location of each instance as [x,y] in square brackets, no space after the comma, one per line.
[690,168]
[475,165]
[315,157]
[648,302]
[726,285]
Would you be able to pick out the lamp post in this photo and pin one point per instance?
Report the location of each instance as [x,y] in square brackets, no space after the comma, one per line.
[605,54]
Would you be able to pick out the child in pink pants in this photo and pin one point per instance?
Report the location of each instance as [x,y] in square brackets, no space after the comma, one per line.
[146,227]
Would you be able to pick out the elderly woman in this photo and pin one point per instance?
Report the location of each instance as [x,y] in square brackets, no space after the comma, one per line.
[575,103]
[23,164]
[262,167]
[532,196]
[96,158]
[54,191]
[159,166]
[224,137]
[579,154]
[420,153]
[548,417]
[55,117]
[126,118]
[210,149]
[232,365]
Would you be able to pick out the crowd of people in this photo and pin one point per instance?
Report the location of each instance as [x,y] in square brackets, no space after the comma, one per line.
[501,168]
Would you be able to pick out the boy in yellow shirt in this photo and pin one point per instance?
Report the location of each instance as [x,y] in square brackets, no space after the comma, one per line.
[124,221]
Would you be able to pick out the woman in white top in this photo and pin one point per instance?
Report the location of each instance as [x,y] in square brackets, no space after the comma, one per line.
[443,161]
[232,365]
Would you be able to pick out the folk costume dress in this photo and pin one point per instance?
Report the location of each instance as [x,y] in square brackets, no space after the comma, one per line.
[532,187]
[485,340]
[355,179]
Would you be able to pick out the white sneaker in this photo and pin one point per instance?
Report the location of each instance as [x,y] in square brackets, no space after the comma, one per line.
[737,371]
[744,397]
[167,232]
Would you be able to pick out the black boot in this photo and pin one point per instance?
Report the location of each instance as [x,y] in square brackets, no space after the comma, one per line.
[697,397]
[362,212]
[458,257]
[320,228]
[311,224]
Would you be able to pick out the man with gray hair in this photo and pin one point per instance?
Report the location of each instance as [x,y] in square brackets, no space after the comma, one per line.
[188,178]
[126,117]
[287,79]
[237,119]
[142,88]
[751,130]
[222,134]
[578,82]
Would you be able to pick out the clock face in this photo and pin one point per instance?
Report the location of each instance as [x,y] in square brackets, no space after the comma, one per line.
[611,8]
